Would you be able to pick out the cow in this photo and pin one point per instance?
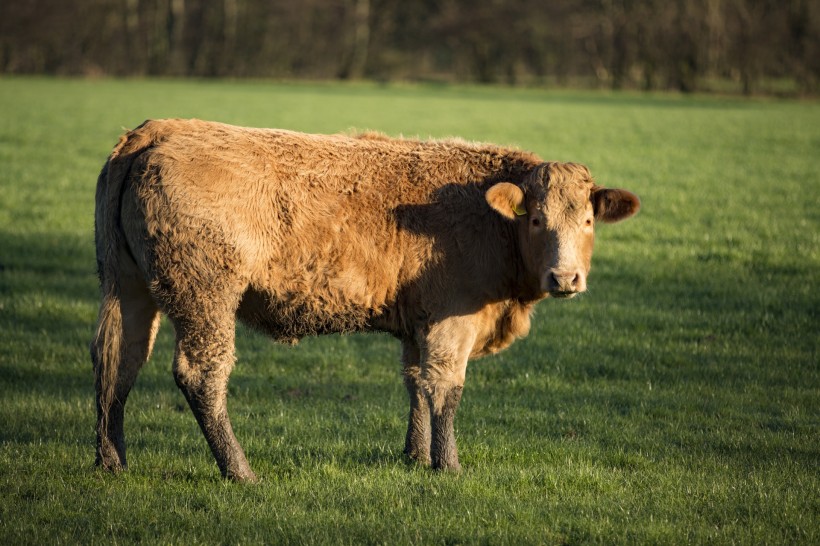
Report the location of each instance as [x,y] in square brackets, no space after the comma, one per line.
[445,244]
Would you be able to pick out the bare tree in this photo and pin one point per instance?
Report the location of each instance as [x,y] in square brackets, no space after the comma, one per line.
[648,44]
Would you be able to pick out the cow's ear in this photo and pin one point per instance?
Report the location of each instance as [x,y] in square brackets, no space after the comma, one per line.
[611,205]
[507,199]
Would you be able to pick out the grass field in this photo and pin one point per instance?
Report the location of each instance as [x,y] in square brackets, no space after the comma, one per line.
[677,401]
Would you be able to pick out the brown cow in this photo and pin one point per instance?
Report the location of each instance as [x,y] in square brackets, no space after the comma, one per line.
[447,245]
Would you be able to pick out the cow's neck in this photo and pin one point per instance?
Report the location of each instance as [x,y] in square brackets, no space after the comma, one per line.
[524,286]
[507,274]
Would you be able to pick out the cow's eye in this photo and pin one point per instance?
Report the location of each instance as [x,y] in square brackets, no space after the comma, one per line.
[536,222]
[589,221]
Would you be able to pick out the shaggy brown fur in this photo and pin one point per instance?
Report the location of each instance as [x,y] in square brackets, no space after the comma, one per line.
[445,244]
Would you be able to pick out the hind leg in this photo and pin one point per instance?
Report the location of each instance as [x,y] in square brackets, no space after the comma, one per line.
[203,361]
[138,329]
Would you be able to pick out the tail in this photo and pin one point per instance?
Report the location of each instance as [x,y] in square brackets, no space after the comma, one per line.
[107,346]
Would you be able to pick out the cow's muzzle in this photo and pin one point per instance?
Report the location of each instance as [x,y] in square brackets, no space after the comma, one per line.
[565,284]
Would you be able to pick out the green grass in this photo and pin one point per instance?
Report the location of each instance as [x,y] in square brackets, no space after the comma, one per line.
[678,401]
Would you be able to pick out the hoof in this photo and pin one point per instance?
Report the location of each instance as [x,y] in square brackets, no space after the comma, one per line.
[110,462]
[453,467]
[244,476]
[420,459]
[108,465]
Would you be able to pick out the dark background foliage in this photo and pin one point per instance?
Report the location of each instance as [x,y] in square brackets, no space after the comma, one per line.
[687,45]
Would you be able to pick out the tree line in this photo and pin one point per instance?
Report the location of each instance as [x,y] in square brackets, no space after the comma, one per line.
[645,44]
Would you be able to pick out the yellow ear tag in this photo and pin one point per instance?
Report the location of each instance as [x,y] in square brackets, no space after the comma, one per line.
[518,210]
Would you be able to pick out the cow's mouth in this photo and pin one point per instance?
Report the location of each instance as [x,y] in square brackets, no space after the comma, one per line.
[562,295]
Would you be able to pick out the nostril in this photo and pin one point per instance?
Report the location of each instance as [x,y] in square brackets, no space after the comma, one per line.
[576,281]
[559,282]
[580,282]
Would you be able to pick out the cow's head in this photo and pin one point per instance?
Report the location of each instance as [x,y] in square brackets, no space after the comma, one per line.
[555,209]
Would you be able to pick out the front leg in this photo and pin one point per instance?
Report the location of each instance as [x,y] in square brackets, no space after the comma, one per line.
[417,441]
[445,350]
[444,453]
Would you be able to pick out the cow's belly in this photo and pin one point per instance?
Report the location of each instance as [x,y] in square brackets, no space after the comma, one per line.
[290,317]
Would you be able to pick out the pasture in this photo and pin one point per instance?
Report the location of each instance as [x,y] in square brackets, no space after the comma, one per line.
[677,401]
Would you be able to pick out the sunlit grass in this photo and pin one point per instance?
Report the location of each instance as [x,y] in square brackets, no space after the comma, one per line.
[676,401]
